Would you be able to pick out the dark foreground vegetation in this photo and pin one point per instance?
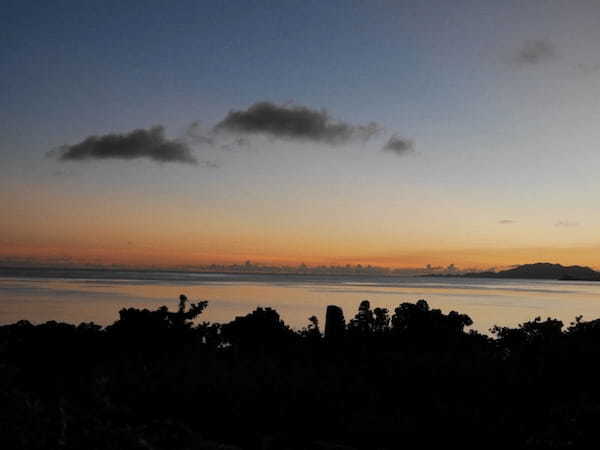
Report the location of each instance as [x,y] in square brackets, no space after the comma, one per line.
[408,379]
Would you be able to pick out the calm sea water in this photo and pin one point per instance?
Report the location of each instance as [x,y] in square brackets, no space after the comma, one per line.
[84,296]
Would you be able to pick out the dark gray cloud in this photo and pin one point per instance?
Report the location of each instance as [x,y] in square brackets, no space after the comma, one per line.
[507,221]
[293,122]
[535,52]
[399,145]
[566,224]
[151,144]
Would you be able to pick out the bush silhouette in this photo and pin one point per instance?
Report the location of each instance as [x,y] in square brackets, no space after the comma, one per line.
[158,379]
[263,326]
[418,323]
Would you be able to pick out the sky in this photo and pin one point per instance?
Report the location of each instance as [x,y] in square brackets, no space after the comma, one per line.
[394,133]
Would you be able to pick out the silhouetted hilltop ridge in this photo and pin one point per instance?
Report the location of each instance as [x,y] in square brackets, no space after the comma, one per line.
[545,271]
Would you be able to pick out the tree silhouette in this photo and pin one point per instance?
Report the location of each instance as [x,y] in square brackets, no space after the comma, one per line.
[155,380]
[381,324]
[363,322]
[263,326]
[158,329]
[428,326]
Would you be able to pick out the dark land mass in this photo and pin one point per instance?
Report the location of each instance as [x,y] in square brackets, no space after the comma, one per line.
[411,378]
[542,271]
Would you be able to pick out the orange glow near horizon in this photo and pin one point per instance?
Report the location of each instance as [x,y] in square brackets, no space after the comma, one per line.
[52,224]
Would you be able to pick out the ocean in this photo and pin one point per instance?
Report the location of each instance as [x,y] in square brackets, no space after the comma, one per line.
[75,296]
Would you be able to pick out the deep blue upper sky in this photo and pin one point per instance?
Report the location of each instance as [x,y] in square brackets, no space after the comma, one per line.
[99,65]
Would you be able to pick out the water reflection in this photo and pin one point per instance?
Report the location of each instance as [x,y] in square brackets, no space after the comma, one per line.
[488,302]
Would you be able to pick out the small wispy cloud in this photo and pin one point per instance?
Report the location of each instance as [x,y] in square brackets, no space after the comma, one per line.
[399,145]
[236,144]
[566,223]
[198,134]
[588,69]
[507,221]
[535,52]
[63,173]
[209,164]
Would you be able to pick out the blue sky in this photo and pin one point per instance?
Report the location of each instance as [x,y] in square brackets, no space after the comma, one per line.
[499,98]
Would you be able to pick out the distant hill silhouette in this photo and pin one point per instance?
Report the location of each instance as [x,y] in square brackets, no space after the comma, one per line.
[544,271]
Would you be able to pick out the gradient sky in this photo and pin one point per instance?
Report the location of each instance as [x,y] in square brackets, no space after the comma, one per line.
[500,100]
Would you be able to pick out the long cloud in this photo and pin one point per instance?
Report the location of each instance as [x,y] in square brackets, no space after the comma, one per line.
[150,144]
[566,224]
[295,123]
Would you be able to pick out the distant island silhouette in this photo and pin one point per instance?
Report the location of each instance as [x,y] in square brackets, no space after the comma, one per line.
[542,271]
